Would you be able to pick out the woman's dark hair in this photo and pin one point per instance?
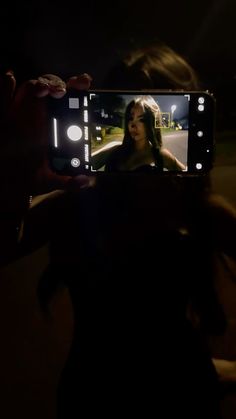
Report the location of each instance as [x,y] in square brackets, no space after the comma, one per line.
[152,121]
[155,66]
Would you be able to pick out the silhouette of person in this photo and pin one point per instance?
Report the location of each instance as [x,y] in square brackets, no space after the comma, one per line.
[131,253]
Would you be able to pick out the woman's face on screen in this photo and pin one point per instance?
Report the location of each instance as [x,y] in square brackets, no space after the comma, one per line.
[136,124]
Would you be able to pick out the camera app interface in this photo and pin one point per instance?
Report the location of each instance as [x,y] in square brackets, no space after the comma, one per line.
[137,132]
[130,132]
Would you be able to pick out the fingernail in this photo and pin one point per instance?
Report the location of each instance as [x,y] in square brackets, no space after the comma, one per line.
[9,73]
[57,88]
[57,94]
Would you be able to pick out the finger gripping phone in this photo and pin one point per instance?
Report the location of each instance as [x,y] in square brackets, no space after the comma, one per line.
[130,131]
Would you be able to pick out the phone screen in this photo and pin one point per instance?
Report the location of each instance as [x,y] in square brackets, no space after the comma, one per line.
[111,131]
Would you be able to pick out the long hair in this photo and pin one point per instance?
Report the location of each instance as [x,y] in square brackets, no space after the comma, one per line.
[151,67]
[152,121]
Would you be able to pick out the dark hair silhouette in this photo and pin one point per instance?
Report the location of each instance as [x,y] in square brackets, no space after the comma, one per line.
[152,121]
[154,66]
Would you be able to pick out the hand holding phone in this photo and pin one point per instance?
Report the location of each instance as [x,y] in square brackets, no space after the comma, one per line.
[129,131]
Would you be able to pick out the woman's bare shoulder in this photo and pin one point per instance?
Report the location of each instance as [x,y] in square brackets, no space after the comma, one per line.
[170,162]
[166,154]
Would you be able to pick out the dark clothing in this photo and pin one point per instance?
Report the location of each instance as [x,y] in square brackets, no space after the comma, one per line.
[120,154]
[134,351]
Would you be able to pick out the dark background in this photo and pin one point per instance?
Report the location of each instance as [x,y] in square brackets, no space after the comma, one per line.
[74,37]
[88,36]
[67,39]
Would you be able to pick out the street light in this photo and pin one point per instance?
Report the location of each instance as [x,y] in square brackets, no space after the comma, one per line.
[173,108]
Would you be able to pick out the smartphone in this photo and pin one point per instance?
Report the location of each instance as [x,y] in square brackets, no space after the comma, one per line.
[87,129]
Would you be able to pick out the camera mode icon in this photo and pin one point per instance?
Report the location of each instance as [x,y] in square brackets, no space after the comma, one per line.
[201,108]
[201,100]
[75,162]
[200,134]
[199,166]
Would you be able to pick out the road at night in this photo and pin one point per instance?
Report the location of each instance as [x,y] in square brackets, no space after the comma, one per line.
[176,143]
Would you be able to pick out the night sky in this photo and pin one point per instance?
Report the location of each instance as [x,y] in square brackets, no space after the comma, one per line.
[75,37]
